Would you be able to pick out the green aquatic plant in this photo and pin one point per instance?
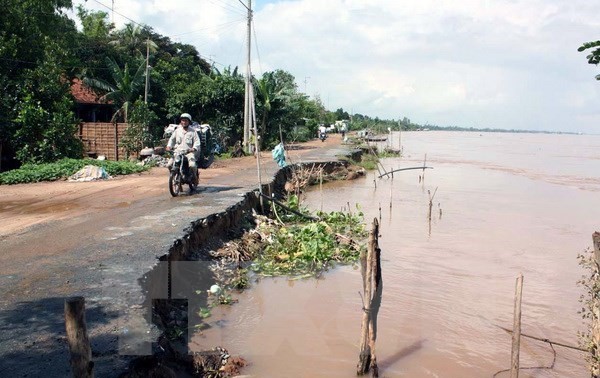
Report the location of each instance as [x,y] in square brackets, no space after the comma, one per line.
[305,247]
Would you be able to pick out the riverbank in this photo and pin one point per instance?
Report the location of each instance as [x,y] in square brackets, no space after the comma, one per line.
[102,240]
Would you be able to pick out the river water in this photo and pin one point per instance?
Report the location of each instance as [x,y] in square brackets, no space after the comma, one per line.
[503,204]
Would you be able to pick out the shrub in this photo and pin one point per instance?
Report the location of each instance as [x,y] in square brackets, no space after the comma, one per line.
[64,168]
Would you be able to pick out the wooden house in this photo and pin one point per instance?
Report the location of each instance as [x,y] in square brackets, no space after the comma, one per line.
[99,135]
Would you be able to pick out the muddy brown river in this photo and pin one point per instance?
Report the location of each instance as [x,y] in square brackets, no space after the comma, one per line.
[504,204]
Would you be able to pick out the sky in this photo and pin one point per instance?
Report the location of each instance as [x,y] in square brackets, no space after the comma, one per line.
[506,64]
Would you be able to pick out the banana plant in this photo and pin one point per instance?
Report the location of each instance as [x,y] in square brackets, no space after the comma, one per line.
[124,90]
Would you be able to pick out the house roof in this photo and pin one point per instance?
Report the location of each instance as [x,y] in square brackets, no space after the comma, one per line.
[84,94]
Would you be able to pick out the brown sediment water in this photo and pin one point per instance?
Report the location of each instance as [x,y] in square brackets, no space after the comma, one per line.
[510,204]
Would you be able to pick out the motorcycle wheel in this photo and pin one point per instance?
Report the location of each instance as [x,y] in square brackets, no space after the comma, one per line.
[194,183]
[175,183]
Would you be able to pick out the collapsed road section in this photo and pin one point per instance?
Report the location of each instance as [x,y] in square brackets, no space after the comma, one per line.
[105,253]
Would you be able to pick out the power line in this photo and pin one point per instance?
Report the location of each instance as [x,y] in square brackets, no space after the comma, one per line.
[216,27]
[226,6]
[120,14]
[245,6]
[256,46]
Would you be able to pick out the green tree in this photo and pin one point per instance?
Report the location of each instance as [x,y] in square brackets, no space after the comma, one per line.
[36,40]
[45,123]
[130,41]
[137,134]
[124,90]
[594,56]
[278,105]
[95,24]
[340,114]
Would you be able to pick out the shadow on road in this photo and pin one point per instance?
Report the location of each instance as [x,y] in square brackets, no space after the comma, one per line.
[44,352]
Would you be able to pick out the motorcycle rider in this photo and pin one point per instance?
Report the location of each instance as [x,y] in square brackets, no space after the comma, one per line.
[186,140]
[322,132]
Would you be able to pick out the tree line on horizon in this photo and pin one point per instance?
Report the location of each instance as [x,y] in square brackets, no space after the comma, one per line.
[42,51]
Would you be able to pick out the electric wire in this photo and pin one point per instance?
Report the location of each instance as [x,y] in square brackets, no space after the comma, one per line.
[256,47]
[227,6]
[120,14]
[221,27]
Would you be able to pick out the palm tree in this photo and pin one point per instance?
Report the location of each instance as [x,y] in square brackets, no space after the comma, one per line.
[125,89]
[269,95]
[130,40]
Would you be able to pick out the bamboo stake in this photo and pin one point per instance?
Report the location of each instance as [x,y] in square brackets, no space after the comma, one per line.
[77,337]
[404,169]
[431,202]
[371,271]
[364,361]
[544,340]
[376,302]
[516,335]
[595,368]
[287,208]
[321,187]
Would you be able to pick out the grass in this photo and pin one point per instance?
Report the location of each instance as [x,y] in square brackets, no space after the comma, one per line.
[64,168]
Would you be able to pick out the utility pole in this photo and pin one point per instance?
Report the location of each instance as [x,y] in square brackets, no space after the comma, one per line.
[147,70]
[305,81]
[247,102]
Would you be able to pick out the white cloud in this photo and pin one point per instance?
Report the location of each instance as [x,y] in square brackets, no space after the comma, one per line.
[480,63]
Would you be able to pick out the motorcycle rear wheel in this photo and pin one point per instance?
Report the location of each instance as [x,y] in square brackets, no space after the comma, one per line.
[193,183]
[175,183]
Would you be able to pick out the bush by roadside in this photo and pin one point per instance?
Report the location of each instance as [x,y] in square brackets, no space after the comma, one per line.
[64,168]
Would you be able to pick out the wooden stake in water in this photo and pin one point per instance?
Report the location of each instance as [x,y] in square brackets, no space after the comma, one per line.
[400,140]
[595,365]
[424,165]
[372,283]
[516,335]
[431,202]
[321,187]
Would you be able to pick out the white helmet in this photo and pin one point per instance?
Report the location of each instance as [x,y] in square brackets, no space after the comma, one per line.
[186,115]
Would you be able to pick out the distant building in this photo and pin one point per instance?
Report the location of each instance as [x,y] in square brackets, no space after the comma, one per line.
[99,135]
[89,107]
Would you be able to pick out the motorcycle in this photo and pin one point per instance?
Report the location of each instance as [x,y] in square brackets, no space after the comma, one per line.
[181,174]
[322,136]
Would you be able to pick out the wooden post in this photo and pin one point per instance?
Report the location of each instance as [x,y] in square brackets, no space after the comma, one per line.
[116,141]
[79,344]
[595,367]
[371,271]
[321,186]
[378,290]
[516,336]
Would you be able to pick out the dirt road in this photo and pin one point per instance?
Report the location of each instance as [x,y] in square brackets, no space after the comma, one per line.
[98,240]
